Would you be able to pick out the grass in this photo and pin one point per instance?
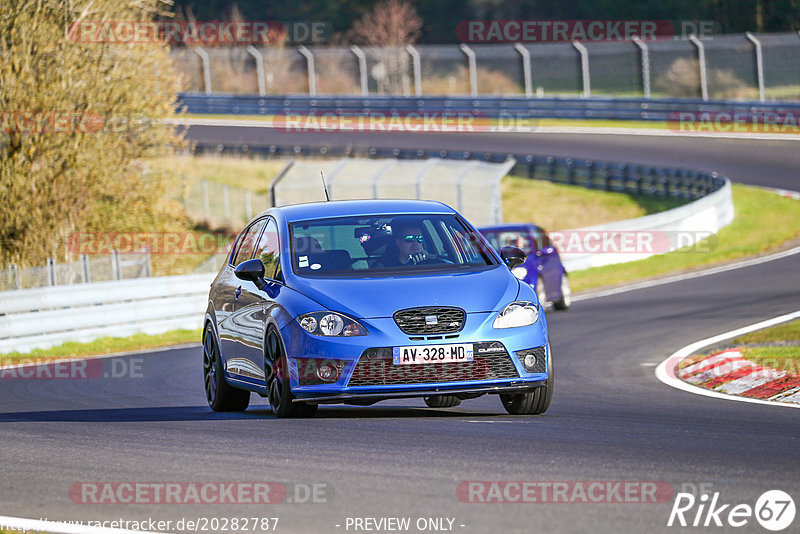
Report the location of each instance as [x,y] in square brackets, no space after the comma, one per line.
[244,173]
[783,332]
[104,345]
[783,358]
[763,222]
[553,206]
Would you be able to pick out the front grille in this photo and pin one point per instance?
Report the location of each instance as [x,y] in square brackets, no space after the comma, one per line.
[418,320]
[375,368]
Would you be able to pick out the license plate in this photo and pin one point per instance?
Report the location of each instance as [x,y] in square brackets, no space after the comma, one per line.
[422,354]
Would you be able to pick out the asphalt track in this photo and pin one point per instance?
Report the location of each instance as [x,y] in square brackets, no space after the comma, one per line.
[610,420]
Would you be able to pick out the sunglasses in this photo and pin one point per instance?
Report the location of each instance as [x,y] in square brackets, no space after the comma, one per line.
[412,238]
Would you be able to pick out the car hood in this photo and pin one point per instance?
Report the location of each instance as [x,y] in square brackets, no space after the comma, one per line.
[366,298]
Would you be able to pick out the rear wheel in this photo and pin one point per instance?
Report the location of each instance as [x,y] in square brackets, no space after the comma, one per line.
[276,373]
[220,395]
[533,402]
[566,294]
[442,401]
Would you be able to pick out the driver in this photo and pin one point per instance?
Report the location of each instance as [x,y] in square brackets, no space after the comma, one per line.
[406,248]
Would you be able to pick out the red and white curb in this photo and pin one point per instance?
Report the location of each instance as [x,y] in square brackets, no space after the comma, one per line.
[729,375]
[729,372]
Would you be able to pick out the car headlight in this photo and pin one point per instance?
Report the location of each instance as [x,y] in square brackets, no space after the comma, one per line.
[331,324]
[518,313]
[520,272]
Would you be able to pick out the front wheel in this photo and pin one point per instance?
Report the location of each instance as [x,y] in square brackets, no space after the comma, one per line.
[533,402]
[566,294]
[220,395]
[276,373]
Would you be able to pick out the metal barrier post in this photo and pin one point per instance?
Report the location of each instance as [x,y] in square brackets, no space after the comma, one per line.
[759,64]
[248,205]
[85,268]
[14,276]
[701,58]
[645,55]
[312,74]
[473,69]
[51,271]
[115,264]
[275,181]
[587,86]
[526,68]
[206,68]
[417,65]
[262,80]
[362,68]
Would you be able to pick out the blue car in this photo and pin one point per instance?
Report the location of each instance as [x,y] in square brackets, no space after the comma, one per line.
[360,301]
[542,267]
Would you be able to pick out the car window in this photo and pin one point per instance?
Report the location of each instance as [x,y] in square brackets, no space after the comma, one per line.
[246,242]
[375,244]
[511,238]
[267,250]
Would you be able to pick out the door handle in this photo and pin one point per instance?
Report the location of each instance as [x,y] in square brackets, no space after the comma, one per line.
[237,293]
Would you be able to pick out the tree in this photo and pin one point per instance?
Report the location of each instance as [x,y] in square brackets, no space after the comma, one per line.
[79,120]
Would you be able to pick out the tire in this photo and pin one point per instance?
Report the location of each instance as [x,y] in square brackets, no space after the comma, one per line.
[442,401]
[276,375]
[221,396]
[533,402]
[541,295]
[566,295]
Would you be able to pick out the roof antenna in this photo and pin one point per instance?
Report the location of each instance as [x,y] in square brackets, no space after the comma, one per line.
[325,187]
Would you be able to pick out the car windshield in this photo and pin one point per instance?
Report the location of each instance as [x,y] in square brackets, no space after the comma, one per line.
[510,238]
[402,244]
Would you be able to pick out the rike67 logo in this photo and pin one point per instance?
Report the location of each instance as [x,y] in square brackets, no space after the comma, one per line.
[774,510]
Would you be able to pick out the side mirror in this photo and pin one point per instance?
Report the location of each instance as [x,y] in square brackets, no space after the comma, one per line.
[513,256]
[251,271]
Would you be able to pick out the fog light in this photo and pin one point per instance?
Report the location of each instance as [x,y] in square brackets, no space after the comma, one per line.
[530,361]
[533,360]
[327,373]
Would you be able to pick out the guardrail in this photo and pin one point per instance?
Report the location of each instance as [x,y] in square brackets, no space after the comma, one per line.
[43,317]
[510,107]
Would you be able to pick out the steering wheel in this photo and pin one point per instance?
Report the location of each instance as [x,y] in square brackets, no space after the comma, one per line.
[434,261]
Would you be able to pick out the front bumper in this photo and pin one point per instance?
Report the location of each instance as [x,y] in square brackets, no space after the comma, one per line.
[424,379]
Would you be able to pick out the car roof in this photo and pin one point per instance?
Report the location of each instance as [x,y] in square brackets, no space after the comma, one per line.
[344,208]
[505,227]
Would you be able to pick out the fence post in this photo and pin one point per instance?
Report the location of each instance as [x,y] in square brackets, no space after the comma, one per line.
[415,61]
[262,83]
[115,264]
[274,183]
[226,204]
[473,69]
[312,74]
[14,276]
[148,266]
[206,68]
[759,64]
[206,205]
[362,68]
[526,68]
[587,85]
[701,58]
[85,268]
[645,56]
[51,271]
[248,205]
